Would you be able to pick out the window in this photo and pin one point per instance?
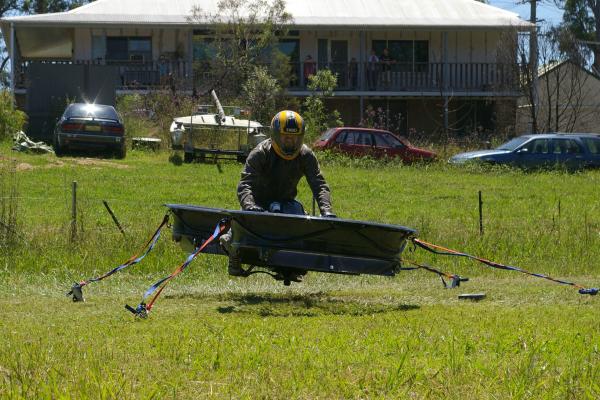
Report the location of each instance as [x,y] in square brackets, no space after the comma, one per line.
[573,147]
[364,138]
[401,50]
[98,47]
[96,110]
[393,141]
[537,146]
[291,48]
[341,137]
[380,140]
[350,137]
[592,144]
[202,48]
[566,146]
[327,134]
[323,52]
[409,55]
[124,48]
[514,143]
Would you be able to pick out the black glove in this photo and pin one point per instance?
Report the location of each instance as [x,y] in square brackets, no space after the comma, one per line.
[255,208]
[328,214]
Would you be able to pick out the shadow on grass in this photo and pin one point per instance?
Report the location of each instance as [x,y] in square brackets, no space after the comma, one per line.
[307,305]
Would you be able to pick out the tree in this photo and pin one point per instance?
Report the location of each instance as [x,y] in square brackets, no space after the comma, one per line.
[317,118]
[582,19]
[49,6]
[554,94]
[263,94]
[242,34]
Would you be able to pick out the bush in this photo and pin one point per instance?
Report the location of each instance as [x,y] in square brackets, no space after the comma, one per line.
[11,119]
[151,115]
[318,118]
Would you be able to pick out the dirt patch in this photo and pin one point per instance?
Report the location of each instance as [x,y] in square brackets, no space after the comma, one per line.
[55,164]
[85,161]
[100,163]
[24,167]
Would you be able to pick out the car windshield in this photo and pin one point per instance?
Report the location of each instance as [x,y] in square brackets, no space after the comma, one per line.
[327,134]
[513,144]
[91,110]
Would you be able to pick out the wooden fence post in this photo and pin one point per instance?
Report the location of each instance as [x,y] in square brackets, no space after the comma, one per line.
[480,215]
[74,211]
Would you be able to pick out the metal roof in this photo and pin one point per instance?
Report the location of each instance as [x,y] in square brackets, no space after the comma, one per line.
[368,14]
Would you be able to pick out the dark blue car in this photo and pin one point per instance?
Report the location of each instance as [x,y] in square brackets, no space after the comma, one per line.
[571,151]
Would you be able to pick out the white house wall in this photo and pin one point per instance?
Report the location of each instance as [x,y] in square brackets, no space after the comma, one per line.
[83,44]
[463,46]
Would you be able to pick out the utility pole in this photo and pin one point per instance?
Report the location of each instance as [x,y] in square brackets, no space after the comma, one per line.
[533,62]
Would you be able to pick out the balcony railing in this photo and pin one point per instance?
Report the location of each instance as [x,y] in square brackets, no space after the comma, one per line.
[353,76]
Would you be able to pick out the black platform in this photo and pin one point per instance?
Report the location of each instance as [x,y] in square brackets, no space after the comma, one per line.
[307,243]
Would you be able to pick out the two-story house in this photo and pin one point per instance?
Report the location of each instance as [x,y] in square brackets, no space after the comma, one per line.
[441,70]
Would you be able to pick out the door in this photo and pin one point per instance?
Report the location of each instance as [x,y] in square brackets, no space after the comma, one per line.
[386,145]
[339,61]
[322,53]
[568,152]
[356,143]
[534,154]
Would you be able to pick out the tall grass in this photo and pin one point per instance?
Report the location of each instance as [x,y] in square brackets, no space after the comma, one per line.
[9,205]
[329,337]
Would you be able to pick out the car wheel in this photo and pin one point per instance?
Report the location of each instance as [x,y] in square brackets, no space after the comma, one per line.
[122,151]
[58,149]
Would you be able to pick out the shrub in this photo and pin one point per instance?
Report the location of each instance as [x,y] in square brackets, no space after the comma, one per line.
[317,118]
[151,115]
[11,119]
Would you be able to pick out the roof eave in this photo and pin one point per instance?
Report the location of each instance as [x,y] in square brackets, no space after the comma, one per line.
[5,22]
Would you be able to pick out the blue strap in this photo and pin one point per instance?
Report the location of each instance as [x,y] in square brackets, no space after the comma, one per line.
[187,262]
[221,227]
[130,262]
[76,290]
[433,248]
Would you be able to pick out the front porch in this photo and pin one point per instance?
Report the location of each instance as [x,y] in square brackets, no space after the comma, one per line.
[354,78]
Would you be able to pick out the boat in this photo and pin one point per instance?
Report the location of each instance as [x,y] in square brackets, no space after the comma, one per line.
[215,136]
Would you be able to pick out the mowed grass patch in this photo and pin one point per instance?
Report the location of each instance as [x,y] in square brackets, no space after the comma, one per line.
[253,340]
[329,337]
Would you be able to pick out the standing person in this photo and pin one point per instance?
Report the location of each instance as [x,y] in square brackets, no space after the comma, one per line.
[386,67]
[372,70]
[310,68]
[270,177]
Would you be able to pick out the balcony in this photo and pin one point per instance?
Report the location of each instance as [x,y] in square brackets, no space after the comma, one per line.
[353,78]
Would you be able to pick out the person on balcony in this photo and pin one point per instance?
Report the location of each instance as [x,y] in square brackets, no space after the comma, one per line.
[372,70]
[310,68]
[163,69]
[269,180]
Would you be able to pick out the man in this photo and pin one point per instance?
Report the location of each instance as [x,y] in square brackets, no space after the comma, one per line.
[273,169]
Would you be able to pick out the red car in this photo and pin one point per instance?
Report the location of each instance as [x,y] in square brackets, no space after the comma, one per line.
[371,142]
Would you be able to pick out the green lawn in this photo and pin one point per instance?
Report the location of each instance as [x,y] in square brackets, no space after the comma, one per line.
[331,336]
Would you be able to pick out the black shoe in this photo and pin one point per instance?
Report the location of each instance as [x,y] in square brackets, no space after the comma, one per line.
[235,267]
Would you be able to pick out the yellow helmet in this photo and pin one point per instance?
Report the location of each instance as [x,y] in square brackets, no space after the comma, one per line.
[287,133]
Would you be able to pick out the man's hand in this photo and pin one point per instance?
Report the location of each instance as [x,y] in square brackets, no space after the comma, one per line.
[328,214]
[255,208]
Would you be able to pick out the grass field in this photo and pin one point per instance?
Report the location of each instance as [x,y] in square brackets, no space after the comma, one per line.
[330,337]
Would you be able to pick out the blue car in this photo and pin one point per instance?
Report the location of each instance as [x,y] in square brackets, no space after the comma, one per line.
[571,151]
